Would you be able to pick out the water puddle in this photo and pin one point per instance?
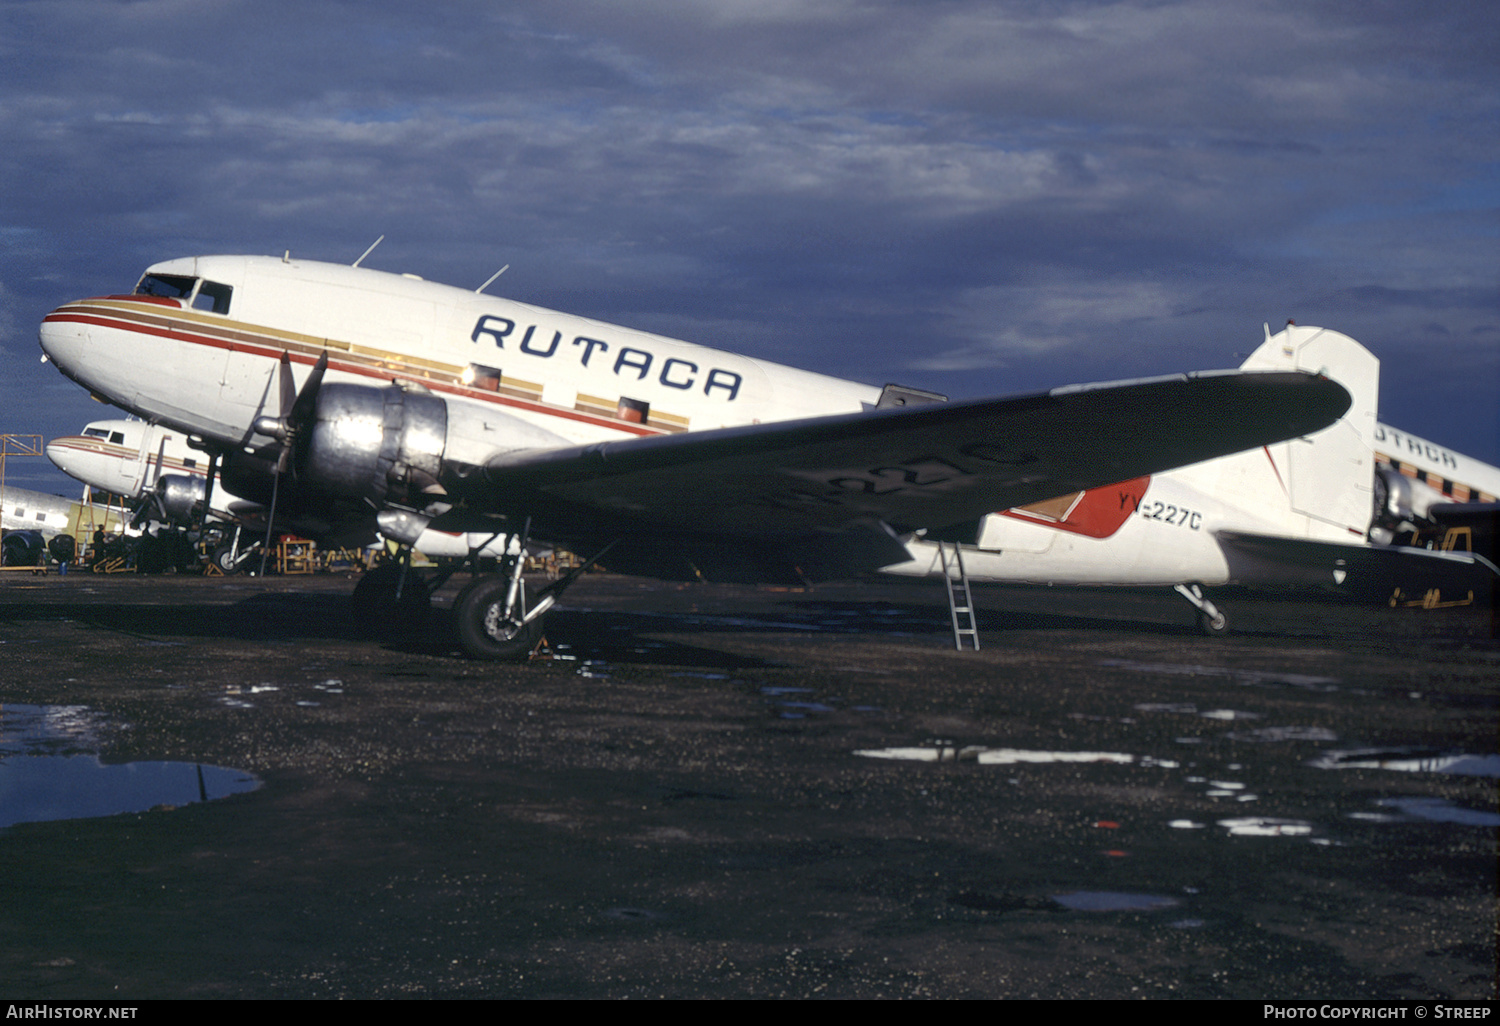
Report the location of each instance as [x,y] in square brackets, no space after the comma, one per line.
[1436,810]
[801,710]
[634,915]
[789,706]
[1262,734]
[1114,901]
[49,770]
[1269,734]
[813,619]
[1411,760]
[1252,677]
[948,752]
[1266,826]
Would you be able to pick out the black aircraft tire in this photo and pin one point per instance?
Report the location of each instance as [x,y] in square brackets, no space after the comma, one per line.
[480,630]
[223,560]
[379,613]
[62,547]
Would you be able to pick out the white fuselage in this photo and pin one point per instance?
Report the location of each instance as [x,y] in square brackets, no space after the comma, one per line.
[578,380]
[206,366]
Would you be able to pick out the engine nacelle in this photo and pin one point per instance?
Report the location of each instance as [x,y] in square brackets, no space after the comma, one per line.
[178,497]
[376,444]
[1401,505]
[392,445]
[21,548]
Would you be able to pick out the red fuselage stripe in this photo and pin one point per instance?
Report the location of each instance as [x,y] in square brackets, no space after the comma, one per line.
[272,351]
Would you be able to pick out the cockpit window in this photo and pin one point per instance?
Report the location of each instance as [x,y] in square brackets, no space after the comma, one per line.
[173,286]
[213,296]
[93,432]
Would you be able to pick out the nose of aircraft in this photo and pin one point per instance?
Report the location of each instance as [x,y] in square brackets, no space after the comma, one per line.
[62,451]
[64,340]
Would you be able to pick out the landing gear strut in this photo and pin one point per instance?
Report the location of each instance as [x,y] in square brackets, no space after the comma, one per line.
[494,618]
[1210,619]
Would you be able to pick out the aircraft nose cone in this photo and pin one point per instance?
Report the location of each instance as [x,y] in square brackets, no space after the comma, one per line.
[63,340]
[62,451]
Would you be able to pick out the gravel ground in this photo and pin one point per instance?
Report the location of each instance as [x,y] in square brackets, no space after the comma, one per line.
[676,804]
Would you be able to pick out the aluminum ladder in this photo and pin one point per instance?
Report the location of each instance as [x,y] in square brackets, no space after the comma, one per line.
[960,599]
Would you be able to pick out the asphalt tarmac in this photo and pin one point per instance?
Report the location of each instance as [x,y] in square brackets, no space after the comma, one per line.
[734,792]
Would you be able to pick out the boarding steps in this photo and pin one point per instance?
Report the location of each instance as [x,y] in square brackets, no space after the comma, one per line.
[960,599]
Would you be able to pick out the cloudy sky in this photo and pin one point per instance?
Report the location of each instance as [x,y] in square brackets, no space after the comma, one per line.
[974,197]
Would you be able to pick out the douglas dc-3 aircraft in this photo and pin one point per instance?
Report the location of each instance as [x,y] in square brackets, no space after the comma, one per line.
[1309,512]
[32,521]
[354,401]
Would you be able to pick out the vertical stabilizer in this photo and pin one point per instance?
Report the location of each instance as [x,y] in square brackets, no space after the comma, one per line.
[1330,475]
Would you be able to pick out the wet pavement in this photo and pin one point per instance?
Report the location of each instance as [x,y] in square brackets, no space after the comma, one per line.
[738,792]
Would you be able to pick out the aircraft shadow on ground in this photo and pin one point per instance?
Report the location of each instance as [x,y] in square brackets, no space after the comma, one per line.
[616,635]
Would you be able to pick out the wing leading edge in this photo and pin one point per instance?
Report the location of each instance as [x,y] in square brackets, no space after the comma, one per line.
[883,472]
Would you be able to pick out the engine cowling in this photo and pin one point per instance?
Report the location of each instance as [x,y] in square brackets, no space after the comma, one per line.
[375,444]
[177,498]
[1400,507]
[395,446]
[21,548]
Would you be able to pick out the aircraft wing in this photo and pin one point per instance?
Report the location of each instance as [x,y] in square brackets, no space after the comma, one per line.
[930,466]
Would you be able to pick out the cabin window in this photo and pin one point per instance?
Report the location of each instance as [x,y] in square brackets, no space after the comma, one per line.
[172,286]
[213,296]
[477,375]
[189,462]
[633,410]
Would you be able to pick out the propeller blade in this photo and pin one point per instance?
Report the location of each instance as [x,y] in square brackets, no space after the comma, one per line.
[288,387]
[296,409]
[161,460]
[302,407]
[265,549]
[208,485]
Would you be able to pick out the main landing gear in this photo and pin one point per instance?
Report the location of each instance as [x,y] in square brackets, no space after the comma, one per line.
[495,618]
[1211,620]
[493,621]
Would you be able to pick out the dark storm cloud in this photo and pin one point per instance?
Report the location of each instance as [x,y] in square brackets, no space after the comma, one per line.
[975,196]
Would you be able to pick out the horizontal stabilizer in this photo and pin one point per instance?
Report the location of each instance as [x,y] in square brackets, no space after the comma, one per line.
[1271,560]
